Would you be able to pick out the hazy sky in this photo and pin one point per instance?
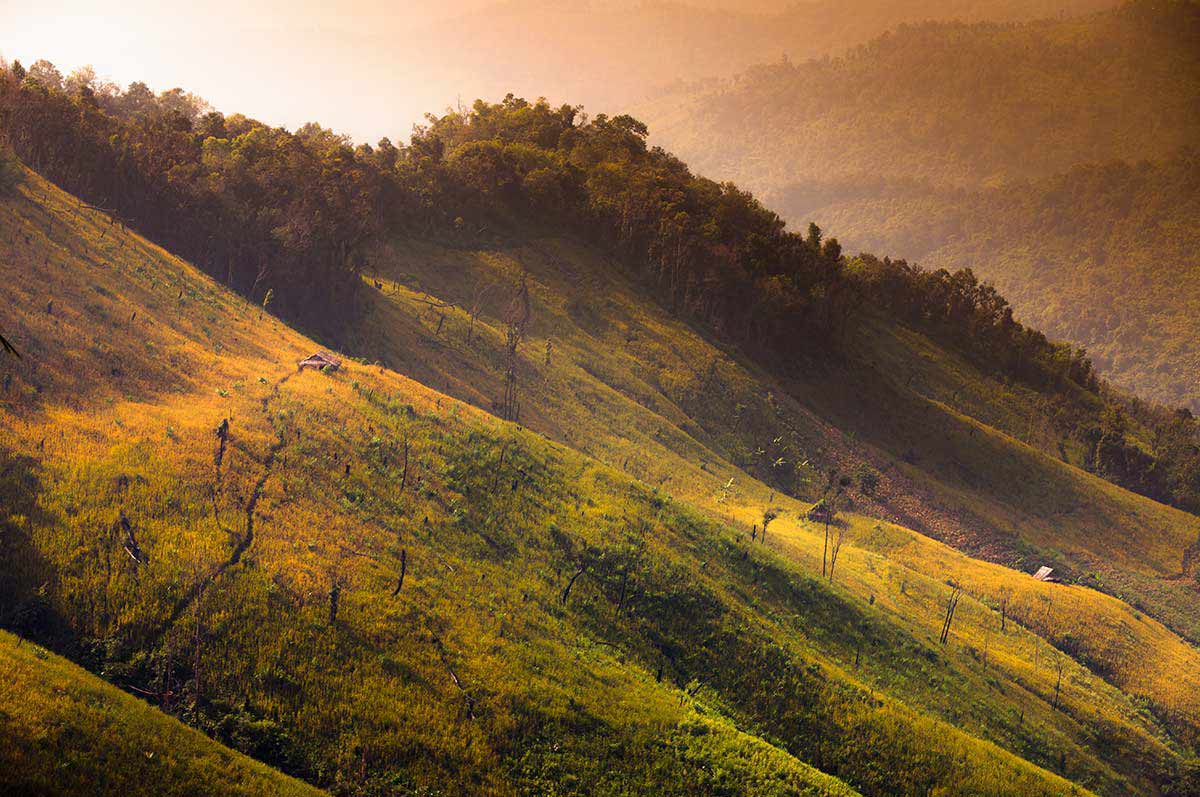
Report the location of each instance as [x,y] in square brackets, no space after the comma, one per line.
[371,68]
[253,57]
[365,67]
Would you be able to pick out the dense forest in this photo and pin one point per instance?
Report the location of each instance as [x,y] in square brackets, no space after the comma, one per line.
[950,104]
[286,218]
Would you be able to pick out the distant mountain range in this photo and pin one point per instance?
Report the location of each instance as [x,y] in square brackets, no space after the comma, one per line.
[952,143]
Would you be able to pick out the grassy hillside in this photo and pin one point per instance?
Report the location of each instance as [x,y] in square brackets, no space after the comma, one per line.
[950,105]
[68,732]
[380,589]
[678,412]
[1101,255]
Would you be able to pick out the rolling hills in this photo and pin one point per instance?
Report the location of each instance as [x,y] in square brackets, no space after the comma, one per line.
[1050,158]
[1104,255]
[949,104]
[549,525]
[379,589]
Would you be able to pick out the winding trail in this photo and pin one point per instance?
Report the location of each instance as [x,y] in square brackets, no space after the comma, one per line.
[194,592]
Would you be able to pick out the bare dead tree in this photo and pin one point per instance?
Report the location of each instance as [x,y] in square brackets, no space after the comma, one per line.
[403,570]
[222,441]
[468,701]
[404,470]
[836,549]
[951,606]
[768,516]
[478,296]
[129,541]
[8,347]
[1059,665]
[567,592]
[833,491]
[516,320]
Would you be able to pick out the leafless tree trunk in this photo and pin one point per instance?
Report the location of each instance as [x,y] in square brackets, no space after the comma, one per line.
[768,516]
[404,471]
[516,321]
[477,298]
[837,548]
[567,592]
[403,569]
[951,606]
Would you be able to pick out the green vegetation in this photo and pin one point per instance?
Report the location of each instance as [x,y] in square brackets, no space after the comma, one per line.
[558,623]
[938,142]
[65,731]
[708,251]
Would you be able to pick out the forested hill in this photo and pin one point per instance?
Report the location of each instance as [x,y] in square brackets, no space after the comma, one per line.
[289,219]
[1015,150]
[952,104]
[1105,255]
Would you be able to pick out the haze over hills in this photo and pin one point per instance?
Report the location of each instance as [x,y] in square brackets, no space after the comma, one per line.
[381,68]
[951,104]
[879,146]
[618,485]
[1106,255]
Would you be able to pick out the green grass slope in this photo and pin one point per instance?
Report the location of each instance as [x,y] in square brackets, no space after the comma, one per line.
[65,731]
[613,376]
[617,378]
[382,590]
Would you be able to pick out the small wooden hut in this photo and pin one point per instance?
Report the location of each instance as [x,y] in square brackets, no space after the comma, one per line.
[320,361]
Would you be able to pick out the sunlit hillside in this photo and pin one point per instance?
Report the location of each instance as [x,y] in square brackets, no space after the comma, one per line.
[379,589]
[925,438]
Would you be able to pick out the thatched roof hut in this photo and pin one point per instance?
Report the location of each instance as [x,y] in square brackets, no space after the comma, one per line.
[320,361]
